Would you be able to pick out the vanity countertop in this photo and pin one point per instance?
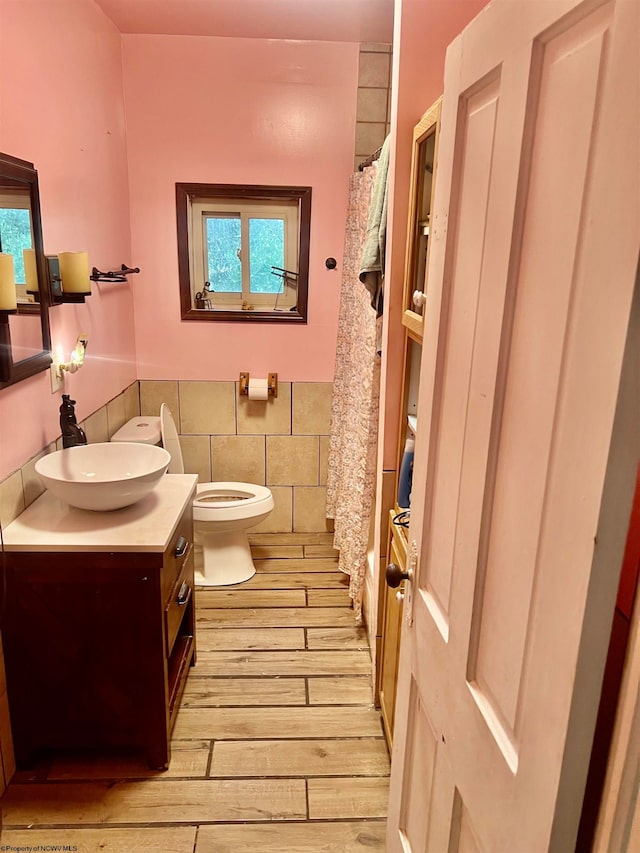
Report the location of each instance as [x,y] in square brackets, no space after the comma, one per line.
[51,525]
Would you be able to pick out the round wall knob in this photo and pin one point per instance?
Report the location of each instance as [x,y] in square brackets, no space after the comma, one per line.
[395,575]
[419,298]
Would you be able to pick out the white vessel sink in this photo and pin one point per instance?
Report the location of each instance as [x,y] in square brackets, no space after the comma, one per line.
[103,476]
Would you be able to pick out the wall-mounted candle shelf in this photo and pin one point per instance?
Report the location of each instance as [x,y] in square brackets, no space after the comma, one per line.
[58,295]
[113,275]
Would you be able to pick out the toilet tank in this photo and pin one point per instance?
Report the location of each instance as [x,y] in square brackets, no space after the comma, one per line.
[143,430]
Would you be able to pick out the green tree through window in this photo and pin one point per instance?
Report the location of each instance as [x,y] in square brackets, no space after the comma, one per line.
[15,235]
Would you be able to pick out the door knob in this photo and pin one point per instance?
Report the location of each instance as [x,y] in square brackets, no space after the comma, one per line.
[395,575]
[419,298]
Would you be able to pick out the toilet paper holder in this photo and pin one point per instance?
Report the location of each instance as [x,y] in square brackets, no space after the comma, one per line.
[272,384]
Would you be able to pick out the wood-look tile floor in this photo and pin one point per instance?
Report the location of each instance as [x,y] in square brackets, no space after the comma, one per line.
[276,748]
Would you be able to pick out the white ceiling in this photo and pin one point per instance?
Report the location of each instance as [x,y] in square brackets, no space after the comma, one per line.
[315,20]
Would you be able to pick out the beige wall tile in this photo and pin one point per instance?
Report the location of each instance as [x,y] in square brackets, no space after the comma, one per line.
[31,482]
[312,408]
[374,69]
[11,498]
[132,401]
[96,426]
[372,104]
[268,417]
[153,393]
[324,460]
[281,518]
[116,414]
[196,452]
[238,458]
[309,509]
[207,408]
[292,460]
[369,137]
[374,47]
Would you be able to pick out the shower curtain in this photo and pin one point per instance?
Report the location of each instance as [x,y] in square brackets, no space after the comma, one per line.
[351,479]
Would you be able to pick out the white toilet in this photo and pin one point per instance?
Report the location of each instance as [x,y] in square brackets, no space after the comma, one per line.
[222,512]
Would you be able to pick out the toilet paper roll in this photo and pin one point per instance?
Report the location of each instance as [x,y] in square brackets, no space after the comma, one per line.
[258,389]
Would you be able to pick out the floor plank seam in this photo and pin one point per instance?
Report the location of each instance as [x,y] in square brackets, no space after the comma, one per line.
[210,757]
[18,827]
[283,739]
[110,781]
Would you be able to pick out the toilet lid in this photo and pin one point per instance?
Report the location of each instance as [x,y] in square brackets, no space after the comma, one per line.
[170,440]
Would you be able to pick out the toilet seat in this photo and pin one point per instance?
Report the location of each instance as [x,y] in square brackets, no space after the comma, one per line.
[227,501]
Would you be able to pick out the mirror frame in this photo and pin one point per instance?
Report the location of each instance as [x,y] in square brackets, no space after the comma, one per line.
[427,127]
[185,192]
[11,372]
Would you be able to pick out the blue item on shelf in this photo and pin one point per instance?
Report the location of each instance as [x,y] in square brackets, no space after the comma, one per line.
[406,475]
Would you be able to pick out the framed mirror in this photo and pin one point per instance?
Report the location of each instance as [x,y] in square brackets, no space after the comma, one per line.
[25,338]
[243,252]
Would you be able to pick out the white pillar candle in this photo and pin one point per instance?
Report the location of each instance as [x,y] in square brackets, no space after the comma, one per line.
[8,300]
[30,270]
[74,272]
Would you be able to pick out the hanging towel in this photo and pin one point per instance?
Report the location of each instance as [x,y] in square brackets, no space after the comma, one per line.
[372,262]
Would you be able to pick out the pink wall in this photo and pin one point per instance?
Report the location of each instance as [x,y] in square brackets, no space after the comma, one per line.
[61,107]
[219,110]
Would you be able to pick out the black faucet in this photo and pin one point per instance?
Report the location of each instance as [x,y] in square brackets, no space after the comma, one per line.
[72,434]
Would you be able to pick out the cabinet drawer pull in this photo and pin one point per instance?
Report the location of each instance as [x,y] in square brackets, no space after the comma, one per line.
[181,547]
[184,594]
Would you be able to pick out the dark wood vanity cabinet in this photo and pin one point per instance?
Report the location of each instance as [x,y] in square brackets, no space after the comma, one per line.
[98,646]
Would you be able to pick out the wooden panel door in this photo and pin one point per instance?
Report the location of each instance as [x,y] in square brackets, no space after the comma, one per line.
[535,241]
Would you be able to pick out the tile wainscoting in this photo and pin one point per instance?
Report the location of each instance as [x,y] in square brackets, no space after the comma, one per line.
[282,442]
